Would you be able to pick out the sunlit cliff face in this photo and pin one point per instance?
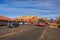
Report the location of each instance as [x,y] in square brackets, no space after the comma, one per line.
[32,19]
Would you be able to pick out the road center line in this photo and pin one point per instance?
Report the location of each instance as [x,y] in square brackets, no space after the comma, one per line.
[43,33]
[10,34]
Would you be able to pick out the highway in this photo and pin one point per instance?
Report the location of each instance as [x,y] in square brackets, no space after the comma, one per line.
[29,32]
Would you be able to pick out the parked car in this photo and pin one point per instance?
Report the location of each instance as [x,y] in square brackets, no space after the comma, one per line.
[21,23]
[25,22]
[3,24]
[13,24]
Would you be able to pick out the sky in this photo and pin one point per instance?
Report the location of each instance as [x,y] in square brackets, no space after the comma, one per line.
[41,8]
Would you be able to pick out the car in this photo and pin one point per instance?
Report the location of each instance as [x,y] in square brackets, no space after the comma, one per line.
[21,23]
[3,24]
[13,24]
[41,24]
[16,24]
[25,23]
[10,25]
[53,25]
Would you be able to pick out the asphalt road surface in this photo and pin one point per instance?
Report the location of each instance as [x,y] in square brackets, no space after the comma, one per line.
[29,32]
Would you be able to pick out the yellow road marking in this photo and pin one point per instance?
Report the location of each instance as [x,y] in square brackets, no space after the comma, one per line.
[5,35]
[10,34]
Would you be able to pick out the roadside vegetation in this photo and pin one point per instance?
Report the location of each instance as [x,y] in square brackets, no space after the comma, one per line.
[58,21]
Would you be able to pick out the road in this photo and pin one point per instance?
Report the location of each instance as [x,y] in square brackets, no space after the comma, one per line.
[29,32]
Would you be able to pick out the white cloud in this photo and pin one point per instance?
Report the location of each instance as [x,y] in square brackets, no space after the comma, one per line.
[32,3]
[18,10]
[17,7]
[51,15]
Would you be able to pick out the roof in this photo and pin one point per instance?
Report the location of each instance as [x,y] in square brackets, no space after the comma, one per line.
[5,18]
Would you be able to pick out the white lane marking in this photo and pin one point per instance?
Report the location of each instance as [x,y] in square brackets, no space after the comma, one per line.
[43,33]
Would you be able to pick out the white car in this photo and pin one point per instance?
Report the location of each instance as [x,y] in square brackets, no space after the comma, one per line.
[21,23]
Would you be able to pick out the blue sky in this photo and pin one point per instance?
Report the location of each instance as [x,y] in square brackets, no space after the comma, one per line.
[41,8]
